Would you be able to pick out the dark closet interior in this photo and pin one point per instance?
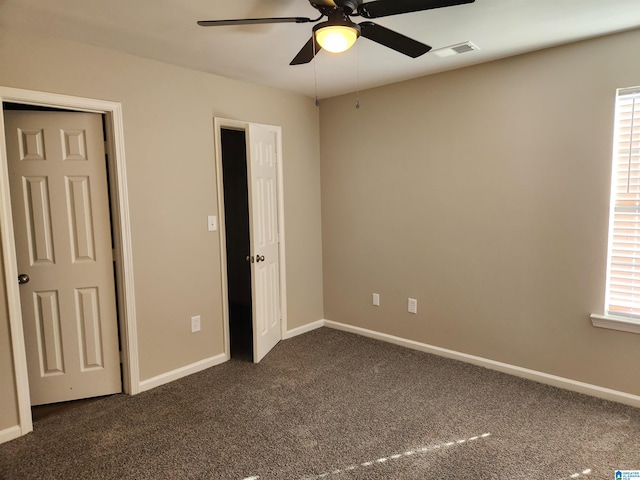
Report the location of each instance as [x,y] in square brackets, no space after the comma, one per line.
[236,211]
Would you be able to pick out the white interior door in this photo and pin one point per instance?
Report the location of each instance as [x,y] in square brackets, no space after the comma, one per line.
[263,212]
[60,207]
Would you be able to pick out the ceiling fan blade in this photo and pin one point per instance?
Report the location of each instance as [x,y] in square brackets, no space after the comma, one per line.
[306,54]
[385,8]
[253,21]
[393,40]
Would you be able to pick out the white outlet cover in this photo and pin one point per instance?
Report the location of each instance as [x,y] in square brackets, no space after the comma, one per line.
[212,223]
[376,299]
[412,305]
[195,324]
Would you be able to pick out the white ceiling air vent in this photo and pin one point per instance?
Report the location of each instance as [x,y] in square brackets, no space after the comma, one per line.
[456,49]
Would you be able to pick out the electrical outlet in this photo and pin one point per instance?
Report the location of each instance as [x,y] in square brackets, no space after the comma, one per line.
[376,299]
[195,324]
[413,305]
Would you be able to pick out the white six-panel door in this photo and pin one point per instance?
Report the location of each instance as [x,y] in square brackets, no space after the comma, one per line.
[263,203]
[60,206]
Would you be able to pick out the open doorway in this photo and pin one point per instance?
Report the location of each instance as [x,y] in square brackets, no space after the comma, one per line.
[58,173]
[111,126]
[251,206]
[236,214]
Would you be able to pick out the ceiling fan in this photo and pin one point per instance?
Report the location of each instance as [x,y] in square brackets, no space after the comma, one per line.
[339,32]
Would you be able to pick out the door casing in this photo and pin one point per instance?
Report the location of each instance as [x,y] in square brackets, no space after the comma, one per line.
[122,239]
[220,123]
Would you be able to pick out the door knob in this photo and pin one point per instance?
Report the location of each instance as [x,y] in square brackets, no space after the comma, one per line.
[249,259]
[259,258]
[23,278]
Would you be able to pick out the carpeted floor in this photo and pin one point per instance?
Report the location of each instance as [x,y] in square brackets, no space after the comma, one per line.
[332,405]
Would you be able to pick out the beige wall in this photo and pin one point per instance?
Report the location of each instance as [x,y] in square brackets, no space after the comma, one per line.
[484,194]
[168,121]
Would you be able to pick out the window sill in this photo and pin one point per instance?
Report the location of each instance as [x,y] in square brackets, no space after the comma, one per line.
[613,322]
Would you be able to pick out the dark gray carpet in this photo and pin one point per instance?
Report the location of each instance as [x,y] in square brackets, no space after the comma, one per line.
[333,405]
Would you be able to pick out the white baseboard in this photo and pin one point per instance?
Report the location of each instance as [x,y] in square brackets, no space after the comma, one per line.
[182,372]
[541,377]
[303,329]
[10,433]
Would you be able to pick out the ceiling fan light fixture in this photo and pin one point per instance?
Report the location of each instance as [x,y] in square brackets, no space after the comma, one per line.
[336,38]
[339,32]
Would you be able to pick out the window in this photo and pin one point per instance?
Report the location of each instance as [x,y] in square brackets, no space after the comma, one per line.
[623,268]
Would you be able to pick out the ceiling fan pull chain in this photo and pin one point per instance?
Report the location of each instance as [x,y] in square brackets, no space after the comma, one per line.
[315,73]
[357,77]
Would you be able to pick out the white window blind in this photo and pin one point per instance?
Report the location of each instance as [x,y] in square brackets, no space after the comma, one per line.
[623,276]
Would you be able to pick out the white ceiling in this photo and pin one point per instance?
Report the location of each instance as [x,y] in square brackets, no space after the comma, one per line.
[166,30]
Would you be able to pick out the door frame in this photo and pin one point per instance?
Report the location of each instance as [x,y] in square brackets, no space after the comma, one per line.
[119,205]
[219,124]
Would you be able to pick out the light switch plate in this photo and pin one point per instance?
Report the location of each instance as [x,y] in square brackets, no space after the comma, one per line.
[212,223]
